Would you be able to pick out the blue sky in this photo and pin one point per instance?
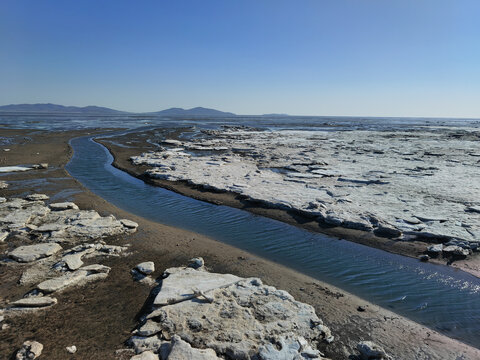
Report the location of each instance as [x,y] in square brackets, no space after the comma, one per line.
[305,57]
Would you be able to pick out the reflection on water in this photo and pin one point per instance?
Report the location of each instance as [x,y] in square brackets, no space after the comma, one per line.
[437,296]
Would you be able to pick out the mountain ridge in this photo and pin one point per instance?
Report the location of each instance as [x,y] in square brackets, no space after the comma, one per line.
[91,109]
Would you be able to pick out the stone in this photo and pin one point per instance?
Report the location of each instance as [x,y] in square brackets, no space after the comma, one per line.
[424,258]
[71,349]
[288,348]
[3,235]
[181,350]
[371,351]
[5,169]
[77,277]
[73,260]
[455,251]
[36,197]
[435,249]
[29,350]
[3,184]
[387,230]
[129,223]
[146,267]
[35,302]
[146,355]
[196,263]
[149,328]
[192,303]
[31,253]
[63,206]
[180,282]
[141,343]
[474,209]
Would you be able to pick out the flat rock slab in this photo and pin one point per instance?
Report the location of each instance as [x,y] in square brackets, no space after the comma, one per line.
[210,315]
[35,302]
[87,273]
[181,350]
[129,223]
[179,284]
[30,253]
[63,206]
[3,235]
[146,267]
[147,355]
[36,197]
[5,169]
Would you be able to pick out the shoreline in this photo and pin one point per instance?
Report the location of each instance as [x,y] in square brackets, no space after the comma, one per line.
[412,248]
[89,307]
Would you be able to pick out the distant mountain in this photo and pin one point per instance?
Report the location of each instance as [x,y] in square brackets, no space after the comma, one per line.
[59,109]
[53,108]
[275,115]
[197,111]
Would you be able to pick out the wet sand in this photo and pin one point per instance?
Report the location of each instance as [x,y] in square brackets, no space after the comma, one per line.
[98,317]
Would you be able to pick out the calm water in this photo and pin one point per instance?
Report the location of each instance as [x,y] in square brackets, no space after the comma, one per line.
[437,296]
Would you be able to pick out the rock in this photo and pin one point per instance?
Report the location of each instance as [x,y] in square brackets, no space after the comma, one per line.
[29,350]
[474,209]
[146,355]
[141,343]
[146,267]
[172,142]
[180,282]
[196,263]
[387,230]
[149,328]
[288,348]
[361,308]
[30,253]
[3,184]
[85,274]
[73,261]
[5,169]
[424,258]
[3,235]
[129,223]
[35,301]
[455,251]
[71,349]
[371,351]
[63,206]
[36,197]
[192,303]
[181,350]
[435,249]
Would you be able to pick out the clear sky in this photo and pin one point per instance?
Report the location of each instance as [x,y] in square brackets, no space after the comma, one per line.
[305,57]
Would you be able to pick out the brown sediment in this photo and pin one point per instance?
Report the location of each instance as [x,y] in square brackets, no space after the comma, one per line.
[412,248]
[98,317]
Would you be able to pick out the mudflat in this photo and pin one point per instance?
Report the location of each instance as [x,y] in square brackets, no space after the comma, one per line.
[98,317]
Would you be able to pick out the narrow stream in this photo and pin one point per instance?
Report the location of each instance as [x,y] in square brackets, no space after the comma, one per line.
[437,296]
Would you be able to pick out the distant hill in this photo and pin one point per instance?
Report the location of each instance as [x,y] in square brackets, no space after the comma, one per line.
[53,108]
[197,111]
[275,115]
